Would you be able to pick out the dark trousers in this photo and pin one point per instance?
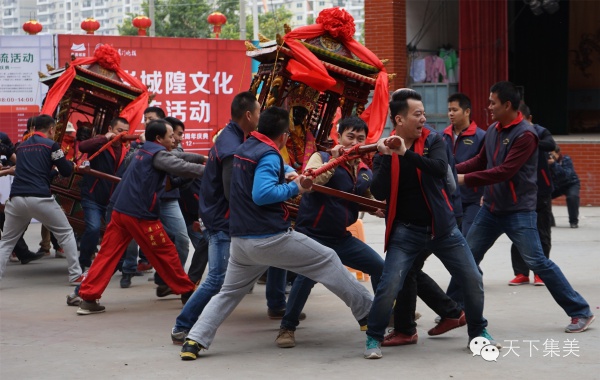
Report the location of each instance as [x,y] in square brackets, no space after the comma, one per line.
[418,283]
[572,194]
[544,221]
[21,249]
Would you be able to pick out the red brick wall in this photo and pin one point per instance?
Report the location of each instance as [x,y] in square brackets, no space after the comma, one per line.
[385,35]
[586,159]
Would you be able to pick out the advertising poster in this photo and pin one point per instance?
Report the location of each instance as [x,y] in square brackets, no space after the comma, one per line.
[193,80]
[21,93]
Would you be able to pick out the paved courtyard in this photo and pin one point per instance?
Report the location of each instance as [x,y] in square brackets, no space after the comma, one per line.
[43,338]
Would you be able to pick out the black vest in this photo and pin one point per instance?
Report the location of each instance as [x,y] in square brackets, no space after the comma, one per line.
[544,178]
[247,218]
[519,193]
[137,193]
[100,190]
[326,216]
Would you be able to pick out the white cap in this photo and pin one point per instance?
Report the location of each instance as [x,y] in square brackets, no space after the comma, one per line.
[70,127]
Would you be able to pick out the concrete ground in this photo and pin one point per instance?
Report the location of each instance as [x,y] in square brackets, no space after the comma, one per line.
[43,338]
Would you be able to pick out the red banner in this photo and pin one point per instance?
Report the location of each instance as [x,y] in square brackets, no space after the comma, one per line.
[194,80]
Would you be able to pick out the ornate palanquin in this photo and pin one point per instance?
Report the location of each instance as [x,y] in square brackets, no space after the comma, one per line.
[95,95]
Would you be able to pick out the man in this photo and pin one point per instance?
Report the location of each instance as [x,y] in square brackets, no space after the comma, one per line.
[543,207]
[325,218]
[96,192]
[30,195]
[136,216]
[261,235]
[465,139]
[170,212]
[566,182]
[420,219]
[506,165]
[214,208]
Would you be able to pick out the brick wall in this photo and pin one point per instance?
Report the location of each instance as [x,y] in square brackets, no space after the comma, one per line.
[385,35]
[586,160]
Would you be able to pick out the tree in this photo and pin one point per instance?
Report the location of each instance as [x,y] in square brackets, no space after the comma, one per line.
[175,18]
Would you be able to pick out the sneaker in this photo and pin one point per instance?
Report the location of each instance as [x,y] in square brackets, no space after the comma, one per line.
[13,258]
[59,253]
[31,256]
[90,307]
[519,279]
[178,337]
[574,225]
[398,339]
[190,350]
[125,280]
[373,349]
[285,338]
[447,324]
[73,299]
[278,314]
[417,315]
[163,291]
[144,267]
[537,281]
[45,252]
[579,324]
[437,319]
[487,336]
[78,280]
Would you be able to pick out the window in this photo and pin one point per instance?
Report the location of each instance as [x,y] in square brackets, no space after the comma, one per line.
[321,3]
[299,18]
[299,5]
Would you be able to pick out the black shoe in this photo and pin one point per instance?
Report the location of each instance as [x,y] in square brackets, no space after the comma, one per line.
[190,350]
[278,314]
[90,307]
[186,296]
[32,256]
[363,323]
[163,291]
[573,225]
[126,280]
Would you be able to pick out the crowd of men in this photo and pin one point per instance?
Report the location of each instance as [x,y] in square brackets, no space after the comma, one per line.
[450,193]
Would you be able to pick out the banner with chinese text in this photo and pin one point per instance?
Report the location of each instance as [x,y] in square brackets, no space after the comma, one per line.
[194,80]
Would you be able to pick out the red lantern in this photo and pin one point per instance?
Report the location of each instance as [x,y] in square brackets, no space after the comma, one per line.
[142,23]
[216,19]
[90,25]
[32,27]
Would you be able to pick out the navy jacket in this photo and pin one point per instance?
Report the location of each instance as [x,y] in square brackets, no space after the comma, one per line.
[326,216]
[248,218]
[137,193]
[213,206]
[36,156]
[546,144]
[520,192]
[100,190]
[563,173]
[467,145]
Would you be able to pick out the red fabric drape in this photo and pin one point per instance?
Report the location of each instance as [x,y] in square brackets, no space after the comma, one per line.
[134,110]
[483,50]
[308,69]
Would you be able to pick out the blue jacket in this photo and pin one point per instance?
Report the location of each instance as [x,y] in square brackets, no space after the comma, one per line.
[326,216]
[546,144]
[563,173]
[247,217]
[520,192]
[467,145]
[36,157]
[137,193]
[213,206]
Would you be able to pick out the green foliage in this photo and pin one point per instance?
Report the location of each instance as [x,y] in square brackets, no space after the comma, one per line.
[187,18]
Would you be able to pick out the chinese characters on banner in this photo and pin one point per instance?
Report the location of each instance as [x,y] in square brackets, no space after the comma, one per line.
[21,94]
[193,80]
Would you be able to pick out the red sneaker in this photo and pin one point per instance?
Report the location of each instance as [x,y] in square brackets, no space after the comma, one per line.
[537,281]
[447,324]
[144,267]
[520,279]
[398,339]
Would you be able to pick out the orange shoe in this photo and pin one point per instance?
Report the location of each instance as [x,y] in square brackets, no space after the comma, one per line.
[520,279]
[537,281]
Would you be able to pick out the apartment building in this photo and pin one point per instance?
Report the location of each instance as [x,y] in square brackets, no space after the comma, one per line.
[65,16]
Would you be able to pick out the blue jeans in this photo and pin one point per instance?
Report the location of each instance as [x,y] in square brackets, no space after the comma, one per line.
[218,257]
[470,211]
[275,288]
[406,243]
[92,215]
[521,229]
[353,253]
